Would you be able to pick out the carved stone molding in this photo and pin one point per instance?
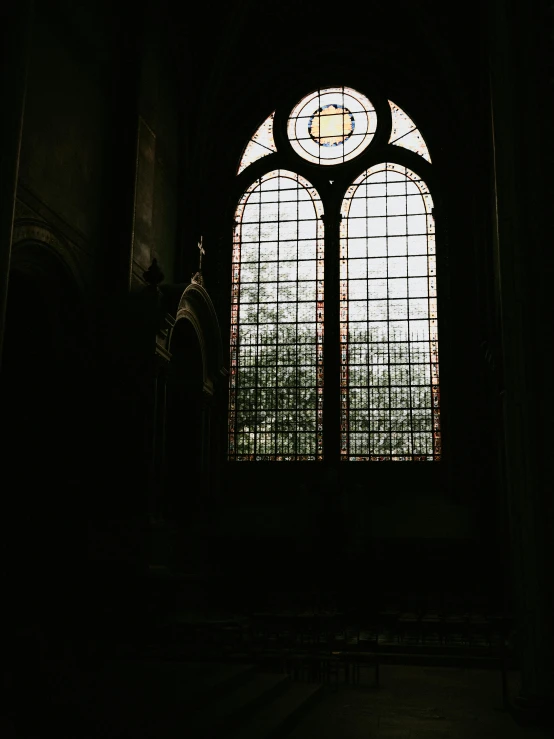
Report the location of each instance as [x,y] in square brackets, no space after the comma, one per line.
[29,206]
[29,231]
[195,305]
[162,357]
[23,211]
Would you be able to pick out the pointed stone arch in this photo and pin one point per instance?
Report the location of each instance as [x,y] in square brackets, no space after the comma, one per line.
[36,243]
[195,305]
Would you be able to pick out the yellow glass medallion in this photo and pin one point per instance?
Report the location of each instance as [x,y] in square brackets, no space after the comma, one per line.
[331,125]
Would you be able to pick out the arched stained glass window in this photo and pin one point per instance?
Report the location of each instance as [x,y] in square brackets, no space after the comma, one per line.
[377,249]
[405,133]
[260,145]
[388,319]
[276,384]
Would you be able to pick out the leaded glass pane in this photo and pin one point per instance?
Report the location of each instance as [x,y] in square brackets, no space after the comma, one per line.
[260,145]
[331,126]
[276,398]
[388,319]
[405,133]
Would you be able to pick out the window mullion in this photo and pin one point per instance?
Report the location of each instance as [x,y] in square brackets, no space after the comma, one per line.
[331,417]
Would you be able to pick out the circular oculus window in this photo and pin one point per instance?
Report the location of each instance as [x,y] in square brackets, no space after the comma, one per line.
[331,126]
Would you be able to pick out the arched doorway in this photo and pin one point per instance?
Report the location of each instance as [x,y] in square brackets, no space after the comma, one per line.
[190,435]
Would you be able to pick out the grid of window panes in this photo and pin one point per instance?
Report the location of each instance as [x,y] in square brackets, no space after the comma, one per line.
[276,367]
[390,407]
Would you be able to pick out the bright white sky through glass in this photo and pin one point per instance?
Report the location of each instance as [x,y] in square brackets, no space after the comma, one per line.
[405,133]
[388,306]
[261,144]
[387,313]
[276,382]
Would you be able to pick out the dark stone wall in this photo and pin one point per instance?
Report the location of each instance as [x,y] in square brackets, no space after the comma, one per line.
[64,154]
[159,107]
[95,84]
[72,151]
[76,375]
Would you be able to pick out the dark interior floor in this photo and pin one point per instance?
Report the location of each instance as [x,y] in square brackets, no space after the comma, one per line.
[196,669]
[167,700]
[416,703]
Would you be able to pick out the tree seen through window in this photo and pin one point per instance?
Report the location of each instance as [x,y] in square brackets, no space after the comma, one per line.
[386,319]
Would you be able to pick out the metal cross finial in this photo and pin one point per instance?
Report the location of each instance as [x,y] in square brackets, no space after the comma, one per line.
[202,251]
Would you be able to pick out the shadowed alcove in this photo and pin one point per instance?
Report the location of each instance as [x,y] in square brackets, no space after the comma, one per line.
[184,423]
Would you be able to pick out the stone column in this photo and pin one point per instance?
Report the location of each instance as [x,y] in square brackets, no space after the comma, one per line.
[14,63]
[160,324]
[121,189]
[157,430]
[520,233]
[205,463]
[160,534]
